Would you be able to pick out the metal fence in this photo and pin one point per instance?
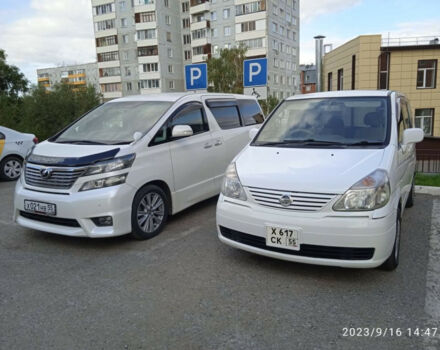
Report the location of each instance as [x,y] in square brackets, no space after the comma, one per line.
[411,41]
[428,155]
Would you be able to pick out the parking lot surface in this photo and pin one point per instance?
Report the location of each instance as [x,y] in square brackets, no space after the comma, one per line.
[186,290]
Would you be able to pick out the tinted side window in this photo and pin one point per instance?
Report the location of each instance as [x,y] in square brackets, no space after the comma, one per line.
[250,112]
[403,120]
[192,116]
[226,117]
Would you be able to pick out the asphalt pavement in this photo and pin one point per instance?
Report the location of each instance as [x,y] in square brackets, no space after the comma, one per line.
[185,290]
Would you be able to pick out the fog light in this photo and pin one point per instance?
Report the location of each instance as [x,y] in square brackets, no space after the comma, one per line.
[103,221]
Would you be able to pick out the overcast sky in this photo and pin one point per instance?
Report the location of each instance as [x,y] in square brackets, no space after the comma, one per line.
[47,33]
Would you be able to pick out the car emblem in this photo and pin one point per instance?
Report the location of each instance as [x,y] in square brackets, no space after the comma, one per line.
[46,173]
[285,200]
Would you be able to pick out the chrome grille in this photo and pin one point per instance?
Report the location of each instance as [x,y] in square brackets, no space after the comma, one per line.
[301,201]
[60,178]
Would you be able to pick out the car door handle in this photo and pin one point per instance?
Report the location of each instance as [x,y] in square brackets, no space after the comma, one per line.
[218,142]
[207,145]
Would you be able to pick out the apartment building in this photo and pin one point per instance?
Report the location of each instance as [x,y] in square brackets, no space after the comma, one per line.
[76,75]
[142,46]
[409,65]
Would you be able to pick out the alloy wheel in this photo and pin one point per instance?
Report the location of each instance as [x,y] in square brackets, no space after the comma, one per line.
[150,212]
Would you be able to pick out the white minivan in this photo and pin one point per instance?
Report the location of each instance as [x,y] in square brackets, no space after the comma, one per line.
[126,165]
[324,181]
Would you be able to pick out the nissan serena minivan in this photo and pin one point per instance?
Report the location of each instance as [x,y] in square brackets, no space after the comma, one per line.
[324,181]
[128,164]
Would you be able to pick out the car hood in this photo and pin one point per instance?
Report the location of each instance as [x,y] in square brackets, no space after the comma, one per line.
[306,169]
[50,153]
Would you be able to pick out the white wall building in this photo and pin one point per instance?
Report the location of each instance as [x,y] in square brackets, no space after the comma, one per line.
[142,46]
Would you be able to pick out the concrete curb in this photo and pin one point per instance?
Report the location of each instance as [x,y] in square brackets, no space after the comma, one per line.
[432,190]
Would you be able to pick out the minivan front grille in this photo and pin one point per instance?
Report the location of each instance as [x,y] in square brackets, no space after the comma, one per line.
[306,250]
[51,177]
[301,201]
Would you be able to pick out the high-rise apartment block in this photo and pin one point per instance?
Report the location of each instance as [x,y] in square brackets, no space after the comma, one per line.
[142,46]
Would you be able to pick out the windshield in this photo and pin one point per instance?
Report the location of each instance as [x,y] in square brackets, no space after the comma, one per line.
[343,121]
[114,123]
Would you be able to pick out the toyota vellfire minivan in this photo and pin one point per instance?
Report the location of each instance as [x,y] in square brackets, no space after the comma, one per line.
[128,164]
[324,181]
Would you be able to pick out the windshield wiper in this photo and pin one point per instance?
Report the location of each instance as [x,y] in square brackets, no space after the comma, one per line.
[365,143]
[82,142]
[315,142]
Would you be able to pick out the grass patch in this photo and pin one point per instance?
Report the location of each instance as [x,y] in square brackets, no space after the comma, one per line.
[428,180]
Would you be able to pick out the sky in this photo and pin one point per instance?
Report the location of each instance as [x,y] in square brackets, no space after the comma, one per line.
[47,33]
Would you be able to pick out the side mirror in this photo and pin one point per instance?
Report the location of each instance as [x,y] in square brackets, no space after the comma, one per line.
[181,131]
[413,135]
[253,132]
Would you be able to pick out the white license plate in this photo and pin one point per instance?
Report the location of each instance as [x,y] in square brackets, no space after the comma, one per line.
[282,237]
[40,208]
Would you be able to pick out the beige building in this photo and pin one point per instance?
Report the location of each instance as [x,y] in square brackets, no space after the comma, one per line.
[409,65]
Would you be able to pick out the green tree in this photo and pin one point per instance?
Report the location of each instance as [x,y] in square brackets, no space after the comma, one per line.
[12,81]
[269,104]
[225,73]
[47,112]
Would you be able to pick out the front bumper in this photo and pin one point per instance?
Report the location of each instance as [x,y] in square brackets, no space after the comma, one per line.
[113,201]
[325,231]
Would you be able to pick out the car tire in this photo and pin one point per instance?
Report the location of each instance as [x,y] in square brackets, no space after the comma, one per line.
[410,200]
[149,212]
[393,260]
[10,168]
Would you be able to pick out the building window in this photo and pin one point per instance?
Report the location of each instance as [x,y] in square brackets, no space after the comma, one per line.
[149,84]
[145,17]
[129,87]
[169,37]
[104,25]
[112,87]
[248,26]
[384,69]
[353,72]
[149,67]
[226,13]
[170,68]
[147,51]
[170,52]
[107,41]
[125,39]
[198,34]
[426,74]
[167,19]
[185,23]
[122,5]
[127,71]
[424,120]
[187,54]
[186,39]
[146,34]
[227,31]
[250,7]
[166,3]
[108,56]
[185,6]
[109,72]
[103,9]
[214,32]
[213,16]
[171,84]
[124,22]
[340,79]
[329,81]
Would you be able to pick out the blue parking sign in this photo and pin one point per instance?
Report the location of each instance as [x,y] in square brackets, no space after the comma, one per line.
[196,76]
[255,72]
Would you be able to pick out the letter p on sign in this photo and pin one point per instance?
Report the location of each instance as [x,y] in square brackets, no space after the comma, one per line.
[196,76]
[255,72]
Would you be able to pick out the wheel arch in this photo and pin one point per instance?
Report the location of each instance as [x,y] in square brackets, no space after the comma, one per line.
[162,185]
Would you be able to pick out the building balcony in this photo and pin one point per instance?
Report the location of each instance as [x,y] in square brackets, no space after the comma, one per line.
[148,59]
[107,32]
[200,25]
[113,94]
[200,42]
[256,52]
[255,16]
[146,25]
[198,7]
[112,79]
[149,75]
[200,58]
[104,17]
[147,42]
[108,48]
[109,64]
[145,8]
[150,91]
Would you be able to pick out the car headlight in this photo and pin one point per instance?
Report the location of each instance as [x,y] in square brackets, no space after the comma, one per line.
[231,186]
[105,182]
[370,193]
[107,166]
